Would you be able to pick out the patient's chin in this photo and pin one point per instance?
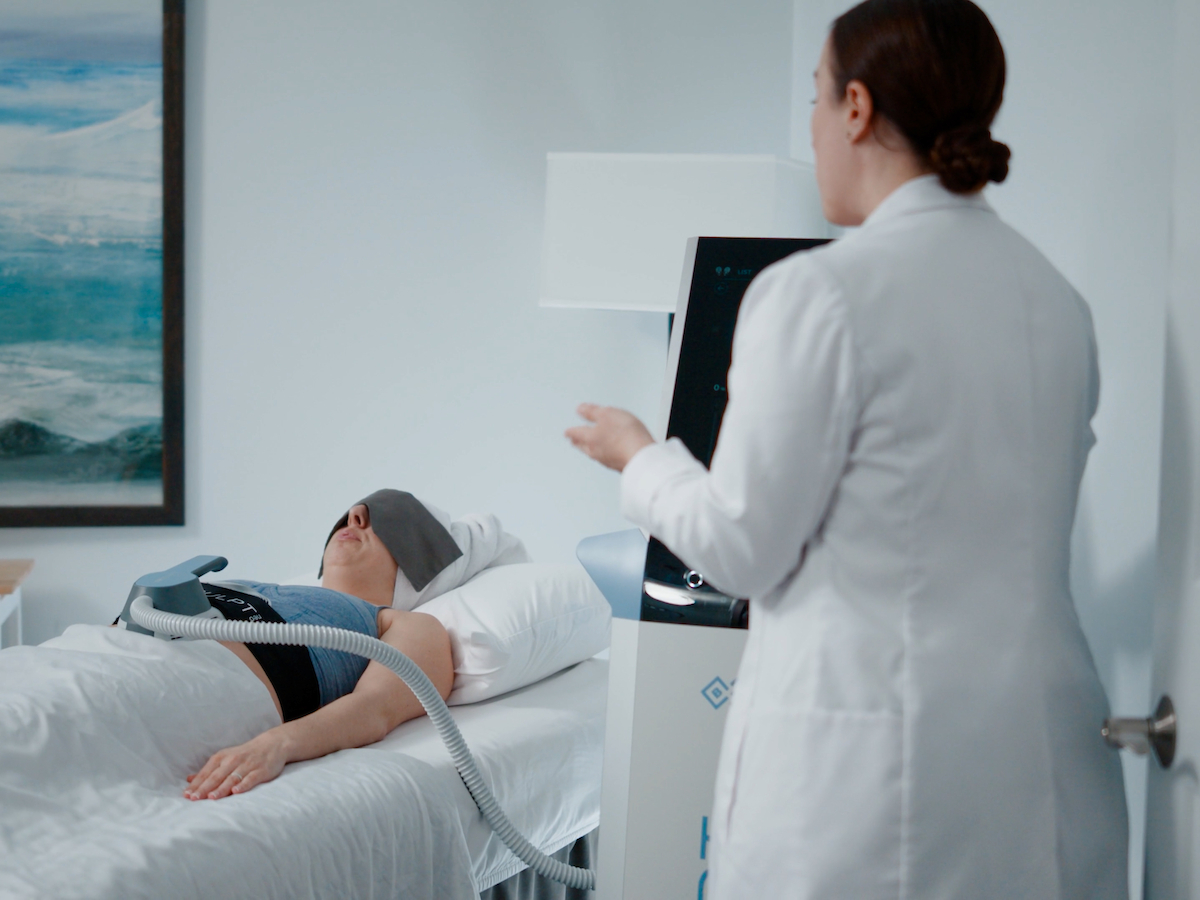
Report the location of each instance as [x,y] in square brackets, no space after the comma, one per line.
[337,557]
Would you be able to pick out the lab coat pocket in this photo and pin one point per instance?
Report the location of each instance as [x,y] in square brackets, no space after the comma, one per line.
[816,807]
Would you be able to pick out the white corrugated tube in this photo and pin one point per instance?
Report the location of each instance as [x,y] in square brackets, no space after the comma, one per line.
[142,612]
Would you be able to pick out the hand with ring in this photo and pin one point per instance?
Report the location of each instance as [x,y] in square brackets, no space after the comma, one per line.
[236,770]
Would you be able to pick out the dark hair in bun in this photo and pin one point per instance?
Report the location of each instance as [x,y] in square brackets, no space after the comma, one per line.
[935,70]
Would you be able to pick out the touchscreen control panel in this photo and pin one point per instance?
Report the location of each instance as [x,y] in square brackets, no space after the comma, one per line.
[701,349]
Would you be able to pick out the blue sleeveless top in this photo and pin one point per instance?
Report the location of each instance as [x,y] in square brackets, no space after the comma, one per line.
[337,672]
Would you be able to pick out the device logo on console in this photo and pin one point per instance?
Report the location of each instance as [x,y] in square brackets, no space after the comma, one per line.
[717,692]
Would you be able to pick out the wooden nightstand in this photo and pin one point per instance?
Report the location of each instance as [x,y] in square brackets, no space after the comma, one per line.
[12,573]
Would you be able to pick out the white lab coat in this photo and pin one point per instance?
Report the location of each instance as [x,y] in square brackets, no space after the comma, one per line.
[917,714]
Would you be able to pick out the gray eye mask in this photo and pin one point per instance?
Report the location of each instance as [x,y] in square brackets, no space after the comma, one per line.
[419,544]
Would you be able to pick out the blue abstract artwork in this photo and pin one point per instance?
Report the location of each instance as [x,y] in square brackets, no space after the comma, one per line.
[81,253]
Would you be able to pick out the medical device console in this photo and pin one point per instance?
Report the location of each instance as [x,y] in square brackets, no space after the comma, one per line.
[720,270]
[172,604]
[669,686]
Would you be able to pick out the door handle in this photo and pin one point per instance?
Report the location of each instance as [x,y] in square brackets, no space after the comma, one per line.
[1155,733]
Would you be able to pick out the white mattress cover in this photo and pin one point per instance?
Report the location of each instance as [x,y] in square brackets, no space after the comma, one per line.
[93,809]
[540,748]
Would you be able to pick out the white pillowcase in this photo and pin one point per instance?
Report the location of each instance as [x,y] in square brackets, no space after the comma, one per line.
[513,625]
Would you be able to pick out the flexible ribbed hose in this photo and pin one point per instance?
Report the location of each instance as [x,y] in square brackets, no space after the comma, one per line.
[142,612]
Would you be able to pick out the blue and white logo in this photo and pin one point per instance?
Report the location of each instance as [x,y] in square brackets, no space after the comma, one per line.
[716,692]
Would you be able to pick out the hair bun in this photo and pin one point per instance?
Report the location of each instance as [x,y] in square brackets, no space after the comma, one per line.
[967,158]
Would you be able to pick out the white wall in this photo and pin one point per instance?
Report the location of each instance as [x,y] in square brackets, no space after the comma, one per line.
[364,205]
[1087,113]
[1173,823]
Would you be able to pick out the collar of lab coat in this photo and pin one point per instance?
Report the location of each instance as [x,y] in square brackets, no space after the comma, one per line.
[921,194]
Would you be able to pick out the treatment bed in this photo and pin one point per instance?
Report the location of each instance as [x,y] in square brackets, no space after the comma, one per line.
[98,728]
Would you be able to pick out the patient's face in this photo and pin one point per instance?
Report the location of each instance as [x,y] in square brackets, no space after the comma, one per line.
[358,563]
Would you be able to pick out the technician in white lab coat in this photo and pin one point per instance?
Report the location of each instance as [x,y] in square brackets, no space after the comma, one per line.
[917,714]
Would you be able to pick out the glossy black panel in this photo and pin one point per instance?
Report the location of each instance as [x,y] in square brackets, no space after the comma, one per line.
[723,270]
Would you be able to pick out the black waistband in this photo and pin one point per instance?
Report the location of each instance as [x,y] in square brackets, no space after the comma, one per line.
[289,669]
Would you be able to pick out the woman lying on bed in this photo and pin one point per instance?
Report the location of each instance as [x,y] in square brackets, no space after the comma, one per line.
[389,550]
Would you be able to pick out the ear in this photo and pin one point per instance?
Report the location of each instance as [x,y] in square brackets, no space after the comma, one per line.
[859,111]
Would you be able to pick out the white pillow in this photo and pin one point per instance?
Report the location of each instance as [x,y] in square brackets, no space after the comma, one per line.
[513,625]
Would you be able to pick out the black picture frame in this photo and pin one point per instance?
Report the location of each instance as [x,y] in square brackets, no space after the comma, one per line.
[171,509]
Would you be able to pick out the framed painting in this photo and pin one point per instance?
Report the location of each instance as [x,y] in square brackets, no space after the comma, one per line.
[91,262]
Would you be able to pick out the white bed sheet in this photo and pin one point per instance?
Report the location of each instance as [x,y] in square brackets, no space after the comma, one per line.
[99,727]
[540,748]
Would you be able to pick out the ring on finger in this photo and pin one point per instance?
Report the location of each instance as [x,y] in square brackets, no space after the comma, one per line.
[237,775]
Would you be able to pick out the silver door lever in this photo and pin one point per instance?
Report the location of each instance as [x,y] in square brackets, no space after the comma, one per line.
[1156,733]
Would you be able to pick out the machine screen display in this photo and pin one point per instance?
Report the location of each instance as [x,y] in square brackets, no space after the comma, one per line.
[723,270]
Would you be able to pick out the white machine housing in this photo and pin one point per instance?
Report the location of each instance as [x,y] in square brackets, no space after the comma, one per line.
[671,679]
[668,692]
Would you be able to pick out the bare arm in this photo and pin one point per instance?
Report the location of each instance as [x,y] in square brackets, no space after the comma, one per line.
[379,702]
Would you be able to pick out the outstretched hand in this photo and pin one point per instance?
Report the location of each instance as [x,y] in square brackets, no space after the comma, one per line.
[236,770]
[613,437]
